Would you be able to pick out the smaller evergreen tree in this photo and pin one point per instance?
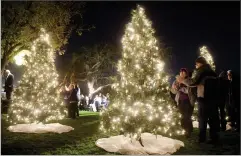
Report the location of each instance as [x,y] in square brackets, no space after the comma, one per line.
[36,98]
[204,52]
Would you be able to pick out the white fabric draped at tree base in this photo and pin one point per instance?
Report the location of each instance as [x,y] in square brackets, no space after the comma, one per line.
[152,144]
[40,128]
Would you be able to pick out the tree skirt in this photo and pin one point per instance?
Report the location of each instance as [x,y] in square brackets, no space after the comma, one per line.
[152,144]
[40,128]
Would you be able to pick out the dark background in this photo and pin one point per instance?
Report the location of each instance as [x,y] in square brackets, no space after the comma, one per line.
[184,26]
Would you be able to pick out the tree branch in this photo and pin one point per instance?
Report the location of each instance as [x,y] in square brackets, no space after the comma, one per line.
[97,64]
[91,72]
[101,78]
[17,51]
[83,80]
[7,54]
[100,88]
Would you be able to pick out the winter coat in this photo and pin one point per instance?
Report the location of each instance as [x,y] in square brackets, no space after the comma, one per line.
[198,78]
[9,83]
[73,97]
[234,91]
[192,94]
[182,92]
[223,89]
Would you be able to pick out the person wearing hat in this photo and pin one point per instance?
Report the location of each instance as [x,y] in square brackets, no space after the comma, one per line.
[183,99]
[204,78]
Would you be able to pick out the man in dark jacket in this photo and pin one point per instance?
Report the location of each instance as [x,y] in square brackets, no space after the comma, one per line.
[234,100]
[72,100]
[203,78]
[9,84]
[223,93]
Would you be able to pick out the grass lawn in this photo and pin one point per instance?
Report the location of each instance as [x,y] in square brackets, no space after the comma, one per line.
[82,140]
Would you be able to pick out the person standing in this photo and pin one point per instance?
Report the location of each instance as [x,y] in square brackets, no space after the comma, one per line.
[223,93]
[72,100]
[8,84]
[204,78]
[183,102]
[97,102]
[234,100]
[78,98]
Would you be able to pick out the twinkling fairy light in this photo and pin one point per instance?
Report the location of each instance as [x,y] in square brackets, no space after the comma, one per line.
[206,54]
[142,103]
[36,99]
[195,112]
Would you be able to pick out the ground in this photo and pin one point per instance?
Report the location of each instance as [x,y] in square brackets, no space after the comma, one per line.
[81,141]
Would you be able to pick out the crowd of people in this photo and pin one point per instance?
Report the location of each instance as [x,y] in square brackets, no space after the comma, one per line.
[100,101]
[216,96]
[76,101]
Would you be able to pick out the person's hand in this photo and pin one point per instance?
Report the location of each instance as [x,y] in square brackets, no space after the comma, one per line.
[179,79]
[174,85]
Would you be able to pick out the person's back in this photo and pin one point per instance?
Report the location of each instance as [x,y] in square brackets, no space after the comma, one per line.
[209,102]
[211,89]
[236,87]
[9,82]
[234,99]
[73,102]
[73,94]
[223,87]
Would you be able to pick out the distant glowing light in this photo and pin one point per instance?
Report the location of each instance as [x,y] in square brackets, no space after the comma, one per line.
[19,58]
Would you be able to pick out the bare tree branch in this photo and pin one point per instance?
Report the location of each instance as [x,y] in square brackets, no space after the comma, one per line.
[100,88]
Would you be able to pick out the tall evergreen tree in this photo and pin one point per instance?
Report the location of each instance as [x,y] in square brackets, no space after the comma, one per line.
[143,103]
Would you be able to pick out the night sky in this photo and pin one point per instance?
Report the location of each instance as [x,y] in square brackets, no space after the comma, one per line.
[184,26]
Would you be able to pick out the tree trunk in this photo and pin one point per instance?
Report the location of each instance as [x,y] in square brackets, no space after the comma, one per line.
[4,62]
[91,87]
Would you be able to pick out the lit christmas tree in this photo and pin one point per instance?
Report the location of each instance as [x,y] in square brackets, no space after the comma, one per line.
[36,98]
[143,102]
[206,54]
